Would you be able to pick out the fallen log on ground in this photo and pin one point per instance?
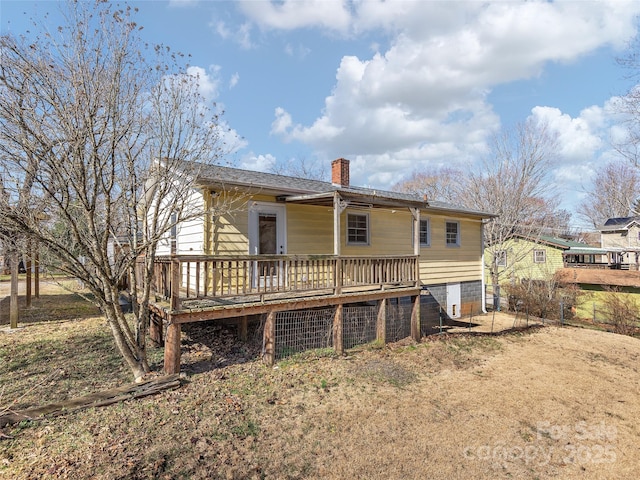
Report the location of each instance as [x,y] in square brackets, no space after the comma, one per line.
[99,399]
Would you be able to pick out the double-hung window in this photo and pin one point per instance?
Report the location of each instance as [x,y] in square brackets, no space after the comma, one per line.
[425,233]
[357,229]
[501,258]
[539,256]
[452,232]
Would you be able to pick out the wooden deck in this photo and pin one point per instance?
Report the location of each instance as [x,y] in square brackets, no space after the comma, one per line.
[199,288]
[252,304]
[189,284]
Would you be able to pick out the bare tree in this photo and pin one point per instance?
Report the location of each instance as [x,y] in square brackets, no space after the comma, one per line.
[442,184]
[628,105]
[98,141]
[302,167]
[613,192]
[513,182]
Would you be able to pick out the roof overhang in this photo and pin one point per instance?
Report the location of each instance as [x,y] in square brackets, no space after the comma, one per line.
[353,198]
[586,251]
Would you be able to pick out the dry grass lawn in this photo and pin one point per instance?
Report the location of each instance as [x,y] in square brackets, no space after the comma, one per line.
[546,403]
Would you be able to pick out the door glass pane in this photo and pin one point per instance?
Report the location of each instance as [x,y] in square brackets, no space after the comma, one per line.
[267,234]
[267,242]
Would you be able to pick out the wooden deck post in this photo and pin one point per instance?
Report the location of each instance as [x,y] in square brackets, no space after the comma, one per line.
[28,279]
[155,330]
[338,344]
[243,324]
[269,339]
[13,302]
[415,318]
[381,322]
[172,349]
[36,270]
[175,283]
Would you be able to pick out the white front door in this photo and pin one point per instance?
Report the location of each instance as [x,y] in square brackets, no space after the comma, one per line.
[267,236]
[453,300]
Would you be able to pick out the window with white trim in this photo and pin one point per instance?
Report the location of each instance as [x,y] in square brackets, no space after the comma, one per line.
[425,232]
[357,229]
[501,258]
[452,234]
[539,256]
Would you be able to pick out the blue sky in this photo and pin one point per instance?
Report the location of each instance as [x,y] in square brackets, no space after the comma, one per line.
[397,86]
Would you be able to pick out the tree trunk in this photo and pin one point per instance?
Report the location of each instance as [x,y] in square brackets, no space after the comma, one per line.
[496,290]
[133,356]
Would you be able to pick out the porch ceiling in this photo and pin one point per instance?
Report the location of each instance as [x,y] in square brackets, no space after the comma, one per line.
[325,199]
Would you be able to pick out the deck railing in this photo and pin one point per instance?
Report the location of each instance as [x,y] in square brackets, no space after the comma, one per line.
[185,277]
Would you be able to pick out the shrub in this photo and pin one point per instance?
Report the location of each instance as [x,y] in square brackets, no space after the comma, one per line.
[621,311]
[543,298]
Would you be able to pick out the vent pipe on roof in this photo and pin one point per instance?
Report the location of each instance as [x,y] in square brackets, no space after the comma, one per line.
[340,172]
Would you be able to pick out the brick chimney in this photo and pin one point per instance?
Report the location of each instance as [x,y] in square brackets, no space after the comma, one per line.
[340,172]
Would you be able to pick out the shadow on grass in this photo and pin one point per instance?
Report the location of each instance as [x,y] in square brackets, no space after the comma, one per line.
[58,366]
[49,308]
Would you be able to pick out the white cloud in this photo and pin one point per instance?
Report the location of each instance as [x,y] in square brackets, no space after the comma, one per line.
[298,51]
[240,35]
[260,163]
[282,122]
[430,86]
[233,81]
[292,14]
[208,80]
[579,138]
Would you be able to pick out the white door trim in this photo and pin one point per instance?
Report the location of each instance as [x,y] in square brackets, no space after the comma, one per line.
[255,208]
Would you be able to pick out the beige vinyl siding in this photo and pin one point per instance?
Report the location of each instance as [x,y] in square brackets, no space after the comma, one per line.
[389,232]
[309,230]
[229,232]
[440,263]
[615,239]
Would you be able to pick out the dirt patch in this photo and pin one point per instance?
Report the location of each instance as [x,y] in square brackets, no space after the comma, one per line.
[544,403]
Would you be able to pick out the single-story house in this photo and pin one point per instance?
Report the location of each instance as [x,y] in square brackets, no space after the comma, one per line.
[539,258]
[277,242]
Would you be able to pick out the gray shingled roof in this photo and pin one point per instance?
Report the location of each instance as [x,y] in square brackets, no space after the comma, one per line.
[618,223]
[286,185]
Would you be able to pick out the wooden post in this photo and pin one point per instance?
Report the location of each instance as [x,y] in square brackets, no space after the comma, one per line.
[269,339]
[13,305]
[243,324]
[175,283]
[28,279]
[155,330]
[336,223]
[415,318]
[338,344]
[415,212]
[338,208]
[381,323]
[172,348]
[36,268]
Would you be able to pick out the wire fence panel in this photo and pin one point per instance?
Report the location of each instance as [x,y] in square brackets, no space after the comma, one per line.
[398,321]
[359,325]
[300,330]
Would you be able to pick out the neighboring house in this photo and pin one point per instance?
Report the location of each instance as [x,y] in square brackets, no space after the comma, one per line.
[539,258]
[621,238]
[316,243]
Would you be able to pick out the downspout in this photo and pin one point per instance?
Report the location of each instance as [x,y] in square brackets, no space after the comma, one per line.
[483,302]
